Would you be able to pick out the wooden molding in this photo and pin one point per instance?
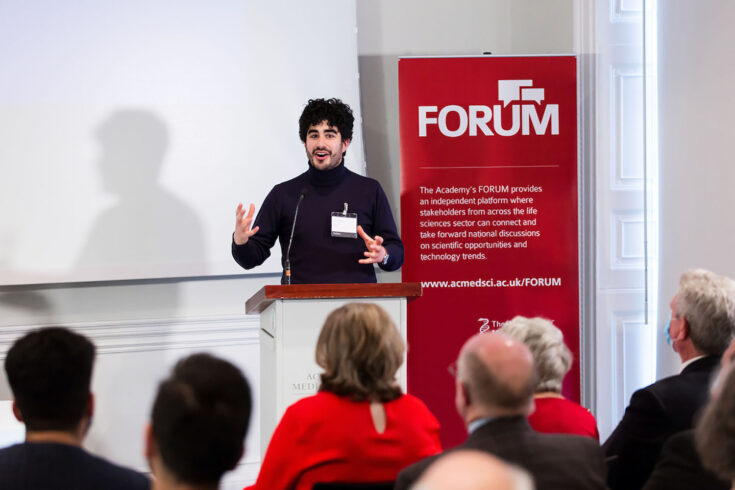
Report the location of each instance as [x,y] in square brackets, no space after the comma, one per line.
[154,334]
[266,295]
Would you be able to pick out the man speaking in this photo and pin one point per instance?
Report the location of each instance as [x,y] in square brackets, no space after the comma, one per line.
[332,224]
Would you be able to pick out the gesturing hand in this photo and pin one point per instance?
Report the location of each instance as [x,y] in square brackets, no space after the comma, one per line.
[375,252]
[242,225]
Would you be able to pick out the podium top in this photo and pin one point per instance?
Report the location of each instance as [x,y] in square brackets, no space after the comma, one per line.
[268,294]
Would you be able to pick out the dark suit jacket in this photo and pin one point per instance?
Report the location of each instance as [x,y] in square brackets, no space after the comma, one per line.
[654,414]
[679,467]
[54,466]
[556,461]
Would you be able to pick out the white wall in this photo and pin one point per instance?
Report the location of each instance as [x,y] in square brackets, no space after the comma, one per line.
[696,101]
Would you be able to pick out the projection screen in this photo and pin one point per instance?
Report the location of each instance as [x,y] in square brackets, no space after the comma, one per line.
[131,130]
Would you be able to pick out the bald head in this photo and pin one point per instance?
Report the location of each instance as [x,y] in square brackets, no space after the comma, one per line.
[472,470]
[496,373]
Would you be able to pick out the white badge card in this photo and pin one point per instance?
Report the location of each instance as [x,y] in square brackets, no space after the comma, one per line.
[344,224]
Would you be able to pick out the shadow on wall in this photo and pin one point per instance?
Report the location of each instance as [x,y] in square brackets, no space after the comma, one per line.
[149,231]
[30,301]
[380,126]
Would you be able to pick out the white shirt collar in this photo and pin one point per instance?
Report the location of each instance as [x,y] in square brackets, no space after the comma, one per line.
[684,365]
[477,423]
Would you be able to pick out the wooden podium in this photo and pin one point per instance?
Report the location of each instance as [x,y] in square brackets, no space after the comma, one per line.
[291,318]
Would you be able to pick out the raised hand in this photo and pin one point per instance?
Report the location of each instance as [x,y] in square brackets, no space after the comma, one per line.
[243,223]
[375,252]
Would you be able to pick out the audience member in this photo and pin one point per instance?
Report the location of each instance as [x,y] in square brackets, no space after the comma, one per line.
[553,413]
[50,372]
[359,426]
[715,433]
[494,394]
[468,469]
[679,467]
[198,424]
[701,325]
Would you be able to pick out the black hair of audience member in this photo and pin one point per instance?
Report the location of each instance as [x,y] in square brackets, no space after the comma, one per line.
[50,372]
[335,112]
[200,418]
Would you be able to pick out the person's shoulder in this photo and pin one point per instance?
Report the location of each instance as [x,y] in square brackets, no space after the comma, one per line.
[295,184]
[570,440]
[702,367]
[562,412]
[409,401]
[11,449]
[693,378]
[41,451]
[679,466]
[682,442]
[117,476]
[411,407]
[284,194]
[318,402]
[572,447]
[13,465]
[577,408]
[558,403]
[651,399]
[408,475]
[657,389]
[363,180]
[566,461]
[56,462]
[7,454]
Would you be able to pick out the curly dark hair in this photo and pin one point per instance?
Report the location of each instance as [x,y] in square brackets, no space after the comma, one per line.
[334,111]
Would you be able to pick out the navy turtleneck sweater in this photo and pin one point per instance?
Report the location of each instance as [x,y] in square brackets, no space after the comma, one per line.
[316,256]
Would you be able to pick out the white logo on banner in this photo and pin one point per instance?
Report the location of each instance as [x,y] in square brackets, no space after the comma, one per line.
[525,103]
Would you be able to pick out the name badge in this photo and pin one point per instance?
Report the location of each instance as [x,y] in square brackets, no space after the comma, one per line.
[344,224]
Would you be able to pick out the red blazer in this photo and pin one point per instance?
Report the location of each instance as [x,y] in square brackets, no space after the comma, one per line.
[326,437]
[561,416]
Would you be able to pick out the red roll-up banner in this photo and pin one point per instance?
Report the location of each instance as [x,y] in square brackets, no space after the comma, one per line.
[488,208]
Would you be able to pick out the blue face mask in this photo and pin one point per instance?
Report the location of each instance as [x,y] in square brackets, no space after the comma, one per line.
[666,329]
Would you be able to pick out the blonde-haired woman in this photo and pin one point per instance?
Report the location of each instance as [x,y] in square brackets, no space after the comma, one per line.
[553,412]
[359,427]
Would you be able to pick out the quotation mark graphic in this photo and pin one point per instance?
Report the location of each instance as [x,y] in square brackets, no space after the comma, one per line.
[510,90]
